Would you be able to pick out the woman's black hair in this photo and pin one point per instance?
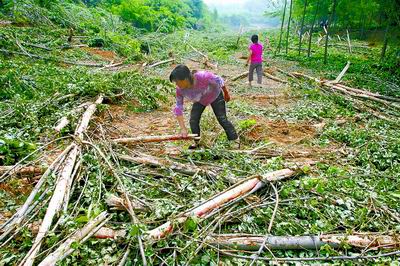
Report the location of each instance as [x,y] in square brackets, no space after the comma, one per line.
[254,38]
[181,72]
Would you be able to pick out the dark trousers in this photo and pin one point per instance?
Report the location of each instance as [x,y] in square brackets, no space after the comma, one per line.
[219,109]
[258,68]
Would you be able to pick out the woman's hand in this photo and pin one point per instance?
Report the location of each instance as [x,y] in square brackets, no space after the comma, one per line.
[184,132]
[227,97]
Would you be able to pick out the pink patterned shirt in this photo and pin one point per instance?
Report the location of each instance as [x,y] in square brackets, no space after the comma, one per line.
[206,88]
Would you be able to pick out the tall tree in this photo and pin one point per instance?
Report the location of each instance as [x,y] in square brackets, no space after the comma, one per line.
[312,28]
[278,49]
[385,42]
[328,29]
[288,26]
[302,25]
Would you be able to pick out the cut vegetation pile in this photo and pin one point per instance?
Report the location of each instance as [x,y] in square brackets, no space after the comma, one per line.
[93,171]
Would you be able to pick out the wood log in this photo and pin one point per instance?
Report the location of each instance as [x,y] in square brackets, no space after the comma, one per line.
[274,78]
[118,203]
[349,42]
[79,237]
[341,75]
[40,46]
[108,233]
[64,121]
[162,62]
[254,242]
[247,186]
[240,76]
[61,186]
[86,117]
[27,170]
[148,139]
[167,164]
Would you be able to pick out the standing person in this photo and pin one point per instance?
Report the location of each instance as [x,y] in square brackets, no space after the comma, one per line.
[203,88]
[255,58]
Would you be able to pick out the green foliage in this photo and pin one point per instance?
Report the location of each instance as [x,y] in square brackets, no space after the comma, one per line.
[12,150]
[160,15]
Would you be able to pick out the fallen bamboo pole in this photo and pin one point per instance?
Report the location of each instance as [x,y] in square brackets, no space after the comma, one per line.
[254,242]
[147,139]
[248,186]
[79,237]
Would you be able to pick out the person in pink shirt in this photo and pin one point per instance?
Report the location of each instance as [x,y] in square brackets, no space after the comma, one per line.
[255,59]
[203,88]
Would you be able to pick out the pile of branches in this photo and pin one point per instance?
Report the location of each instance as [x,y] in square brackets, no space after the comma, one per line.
[59,181]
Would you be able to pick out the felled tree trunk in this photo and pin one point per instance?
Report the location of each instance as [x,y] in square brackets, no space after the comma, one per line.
[254,242]
[28,170]
[147,139]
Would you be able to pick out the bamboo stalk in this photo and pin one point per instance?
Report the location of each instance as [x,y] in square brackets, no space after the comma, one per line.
[147,139]
[66,247]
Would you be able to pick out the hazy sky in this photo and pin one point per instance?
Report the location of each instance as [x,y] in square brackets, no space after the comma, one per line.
[225,1]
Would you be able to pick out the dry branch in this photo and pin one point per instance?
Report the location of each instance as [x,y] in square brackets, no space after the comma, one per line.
[254,242]
[79,236]
[147,139]
[167,164]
